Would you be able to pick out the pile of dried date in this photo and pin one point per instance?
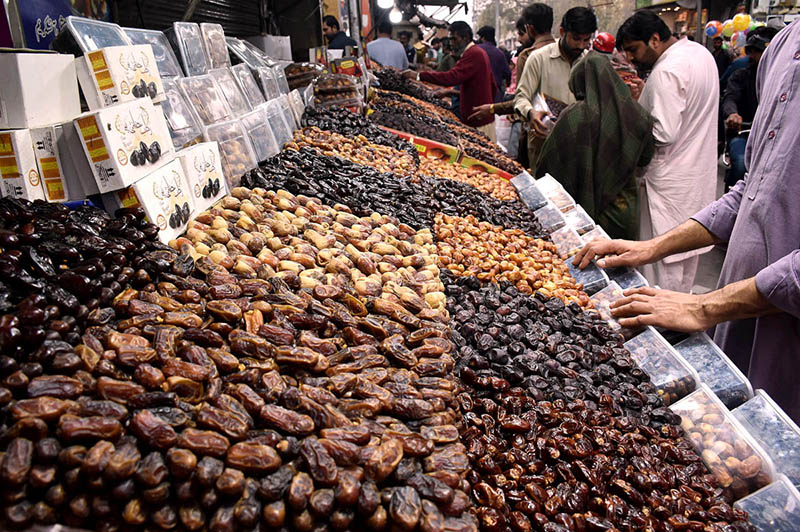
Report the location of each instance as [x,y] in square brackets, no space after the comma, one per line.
[491,184]
[392,80]
[403,116]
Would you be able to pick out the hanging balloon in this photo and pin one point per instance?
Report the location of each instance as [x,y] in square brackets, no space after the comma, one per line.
[738,39]
[727,28]
[741,22]
[725,46]
[713,28]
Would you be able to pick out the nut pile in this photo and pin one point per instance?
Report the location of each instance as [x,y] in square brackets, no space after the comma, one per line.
[495,186]
[58,266]
[392,80]
[344,122]
[468,247]
[357,149]
[365,191]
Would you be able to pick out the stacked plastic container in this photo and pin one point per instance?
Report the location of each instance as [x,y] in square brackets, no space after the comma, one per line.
[715,369]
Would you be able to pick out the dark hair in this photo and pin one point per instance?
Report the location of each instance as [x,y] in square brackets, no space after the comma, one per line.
[487,33]
[506,53]
[435,40]
[640,27]
[521,25]
[717,39]
[384,26]
[579,20]
[767,32]
[461,29]
[331,21]
[540,16]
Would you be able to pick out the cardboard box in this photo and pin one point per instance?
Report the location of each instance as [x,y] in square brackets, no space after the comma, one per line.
[77,171]
[49,150]
[18,173]
[124,143]
[37,89]
[203,169]
[118,74]
[165,197]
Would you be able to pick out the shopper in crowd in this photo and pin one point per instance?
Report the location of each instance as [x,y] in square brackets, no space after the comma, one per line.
[682,94]
[524,43]
[387,51]
[547,73]
[609,136]
[448,58]
[337,39]
[756,308]
[497,60]
[721,56]
[740,101]
[405,39]
[472,73]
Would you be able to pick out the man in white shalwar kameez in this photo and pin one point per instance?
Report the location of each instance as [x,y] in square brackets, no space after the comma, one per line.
[682,94]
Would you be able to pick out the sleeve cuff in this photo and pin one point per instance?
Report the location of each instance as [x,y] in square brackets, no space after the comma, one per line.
[779,283]
[718,219]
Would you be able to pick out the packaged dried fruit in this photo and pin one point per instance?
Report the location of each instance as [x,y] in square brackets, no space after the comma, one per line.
[592,278]
[602,300]
[728,450]
[523,180]
[595,233]
[532,197]
[286,109]
[627,278]
[554,192]
[235,150]
[258,129]
[715,369]
[247,83]
[335,84]
[168,65]
[229,87]
[771,427]
[183,125]
[280,75]
[281,130]
[215,45]
[244,54]
[269,83]
[187,41]
[550,217]
[206,99]
[579,220]
[775,507]
[567,241]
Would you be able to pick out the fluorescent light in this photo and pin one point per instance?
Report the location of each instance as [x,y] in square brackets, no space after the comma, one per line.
[395,16]
[385,4]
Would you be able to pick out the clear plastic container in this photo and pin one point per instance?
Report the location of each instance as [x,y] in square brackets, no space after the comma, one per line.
[523,180]
[168,66]
[774,508]
[670,373]
[269,85]
[567,241]
[731,454]
[627,278]
[281,130]
[280,75]
[244,54]
[286,108]
[207,101]
[183,125]
[261,137]
[548,184]
[187,41]
[602,300]
[554,192]
[335,84]
[592,278]
[579,220]
[299,75]
[298,105]
[229,87]
[81,35]
[235,150]
[595,233]
[216,47]
[774,431]
[550,218]
[715,369]
[248,85]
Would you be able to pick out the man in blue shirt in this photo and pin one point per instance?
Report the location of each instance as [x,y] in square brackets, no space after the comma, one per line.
[386,51]
[337,39]
[497,60]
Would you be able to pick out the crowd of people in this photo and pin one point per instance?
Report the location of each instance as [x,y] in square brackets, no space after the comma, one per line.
[633,126]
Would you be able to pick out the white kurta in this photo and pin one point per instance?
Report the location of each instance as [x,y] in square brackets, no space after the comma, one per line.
[682,94]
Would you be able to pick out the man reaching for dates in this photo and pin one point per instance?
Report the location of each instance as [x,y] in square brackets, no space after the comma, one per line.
[756,310]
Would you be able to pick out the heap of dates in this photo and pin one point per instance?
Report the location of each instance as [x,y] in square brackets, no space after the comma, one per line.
[403,116]
[392,80]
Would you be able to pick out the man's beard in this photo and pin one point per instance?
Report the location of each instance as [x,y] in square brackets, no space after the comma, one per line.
[572,53]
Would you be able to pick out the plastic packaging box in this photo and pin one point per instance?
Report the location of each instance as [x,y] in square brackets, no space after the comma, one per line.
[670,373]
[579,220]
[202,166]
[124,143]
[81,35]
[774,508]
[19,175]
[50,152]
[256,125]
[248,85]
[550,217]
[184,127]
[283,83]
[168,65]
[216,47]
[595,233]
[187,41]
[281,130]
[775,431]
[728,450]
[117,74]
[298,105]
[286,109]
[627,278]
[567,241]
[206,99]
[243,55]
[554,192]
[592,278]
[164,195]
[236,151]
[522,180]
[716,370]
[532,197]
[229,87]
[269,84]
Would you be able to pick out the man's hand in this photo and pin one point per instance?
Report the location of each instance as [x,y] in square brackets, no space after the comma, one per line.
[445,92]
[537,125]
[636,85]
[481,112]
[734,121]
[613,253]
[409,74]
[662,308]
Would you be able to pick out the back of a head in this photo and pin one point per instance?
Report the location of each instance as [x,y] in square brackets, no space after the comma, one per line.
[384,27]
[579,20]
[540,16]
[640,27]
[461,29]
[521,25]
[486,33]
[331,21]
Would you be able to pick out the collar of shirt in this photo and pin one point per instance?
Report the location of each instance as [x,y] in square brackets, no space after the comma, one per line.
[470,45]
[542,40]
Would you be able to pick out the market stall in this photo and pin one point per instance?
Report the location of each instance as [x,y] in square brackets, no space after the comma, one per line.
[228,305]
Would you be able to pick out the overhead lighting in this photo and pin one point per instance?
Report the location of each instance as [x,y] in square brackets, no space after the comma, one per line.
[385,4]
[395,16]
